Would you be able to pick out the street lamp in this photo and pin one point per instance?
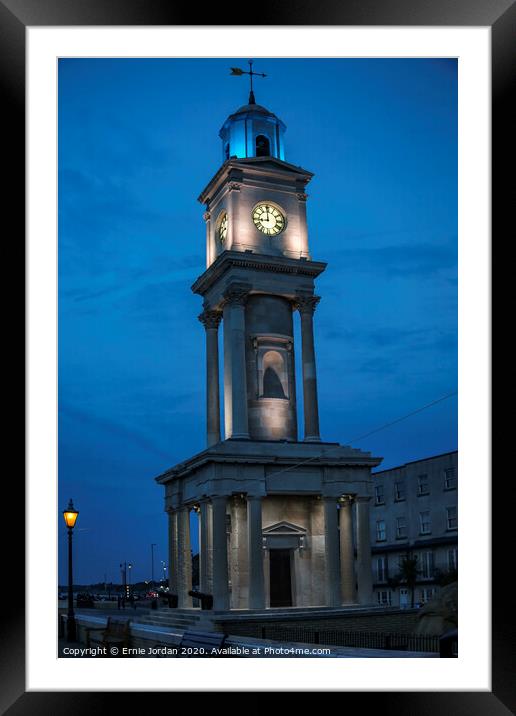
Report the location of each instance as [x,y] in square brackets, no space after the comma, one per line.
[70,518]
[152,562]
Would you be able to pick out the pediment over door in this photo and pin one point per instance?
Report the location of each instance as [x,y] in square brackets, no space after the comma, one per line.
[284,528]
[284,535]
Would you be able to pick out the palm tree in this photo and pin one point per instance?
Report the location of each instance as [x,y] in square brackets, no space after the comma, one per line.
[409,573]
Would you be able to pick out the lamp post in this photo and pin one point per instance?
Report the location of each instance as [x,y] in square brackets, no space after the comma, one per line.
[123,572]
[70,518]
[152,563]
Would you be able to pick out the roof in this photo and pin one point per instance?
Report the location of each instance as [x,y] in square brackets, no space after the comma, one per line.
[411,462]
[253,108]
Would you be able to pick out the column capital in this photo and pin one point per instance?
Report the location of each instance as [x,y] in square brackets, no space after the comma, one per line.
[306,304]
[210,319]
[236,294]
[346,500]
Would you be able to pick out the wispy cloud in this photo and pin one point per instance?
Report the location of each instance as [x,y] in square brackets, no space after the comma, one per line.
[106,426]
[410,260]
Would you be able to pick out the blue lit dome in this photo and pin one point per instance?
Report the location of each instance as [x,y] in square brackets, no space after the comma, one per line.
[252,131]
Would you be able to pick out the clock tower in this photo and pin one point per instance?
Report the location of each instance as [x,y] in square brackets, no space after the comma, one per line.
[259,272]
[281,512]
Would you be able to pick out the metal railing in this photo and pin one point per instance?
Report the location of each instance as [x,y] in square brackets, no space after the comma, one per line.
[354,639]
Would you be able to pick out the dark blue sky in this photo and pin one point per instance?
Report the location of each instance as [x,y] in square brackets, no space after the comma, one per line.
[138,141]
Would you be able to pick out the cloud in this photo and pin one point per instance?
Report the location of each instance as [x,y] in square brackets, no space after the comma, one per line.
[392,337]
[398,260]
[104,425]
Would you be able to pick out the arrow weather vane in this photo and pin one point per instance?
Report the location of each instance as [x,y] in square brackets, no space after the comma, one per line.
[237,72]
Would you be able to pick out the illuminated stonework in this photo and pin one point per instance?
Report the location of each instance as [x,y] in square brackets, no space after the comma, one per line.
[282,514]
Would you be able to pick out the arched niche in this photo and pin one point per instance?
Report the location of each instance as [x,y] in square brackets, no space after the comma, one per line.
[274,375]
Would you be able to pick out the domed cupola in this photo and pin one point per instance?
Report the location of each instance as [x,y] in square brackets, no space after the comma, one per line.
[252,131]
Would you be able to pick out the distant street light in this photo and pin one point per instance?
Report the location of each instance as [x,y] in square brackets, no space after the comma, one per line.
[70,518]
[152,562]
[123,570]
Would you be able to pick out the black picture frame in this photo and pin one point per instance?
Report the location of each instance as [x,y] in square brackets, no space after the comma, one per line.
[15,17]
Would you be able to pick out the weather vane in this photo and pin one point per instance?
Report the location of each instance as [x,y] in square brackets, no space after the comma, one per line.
[237,71]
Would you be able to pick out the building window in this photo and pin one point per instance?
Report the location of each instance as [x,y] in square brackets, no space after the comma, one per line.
[423,487]
[226,151]
[426,594]
[380,531]
[451,518]
[401,559]
[425,526]
[379,497]
[450,479]
[263,147]
[452,559]
[401,527]
[384,598]
[427,565]
[381,569]
[399,490]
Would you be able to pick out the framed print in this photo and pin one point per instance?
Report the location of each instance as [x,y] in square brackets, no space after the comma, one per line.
[128,113]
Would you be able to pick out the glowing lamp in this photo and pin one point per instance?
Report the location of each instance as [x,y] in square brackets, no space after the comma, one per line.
[70,515]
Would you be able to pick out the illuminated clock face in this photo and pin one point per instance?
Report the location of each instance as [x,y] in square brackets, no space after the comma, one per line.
[222,231]
[268,219]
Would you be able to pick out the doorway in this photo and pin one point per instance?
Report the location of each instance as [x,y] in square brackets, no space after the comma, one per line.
[281,578]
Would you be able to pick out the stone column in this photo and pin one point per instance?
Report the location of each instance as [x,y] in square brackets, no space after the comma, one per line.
[331,553]
[364,573]
[306,307]
[210,257]
[172,551]
[184,561]
[347,557]
[210,548]
[303,233]
[211,321]
[235,363]
[232,209]
[237,554]
[203,547]
[255,552]
[220,554]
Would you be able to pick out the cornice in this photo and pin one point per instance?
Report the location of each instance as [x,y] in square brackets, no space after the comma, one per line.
[353,458]
[268,167]
[255,262]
